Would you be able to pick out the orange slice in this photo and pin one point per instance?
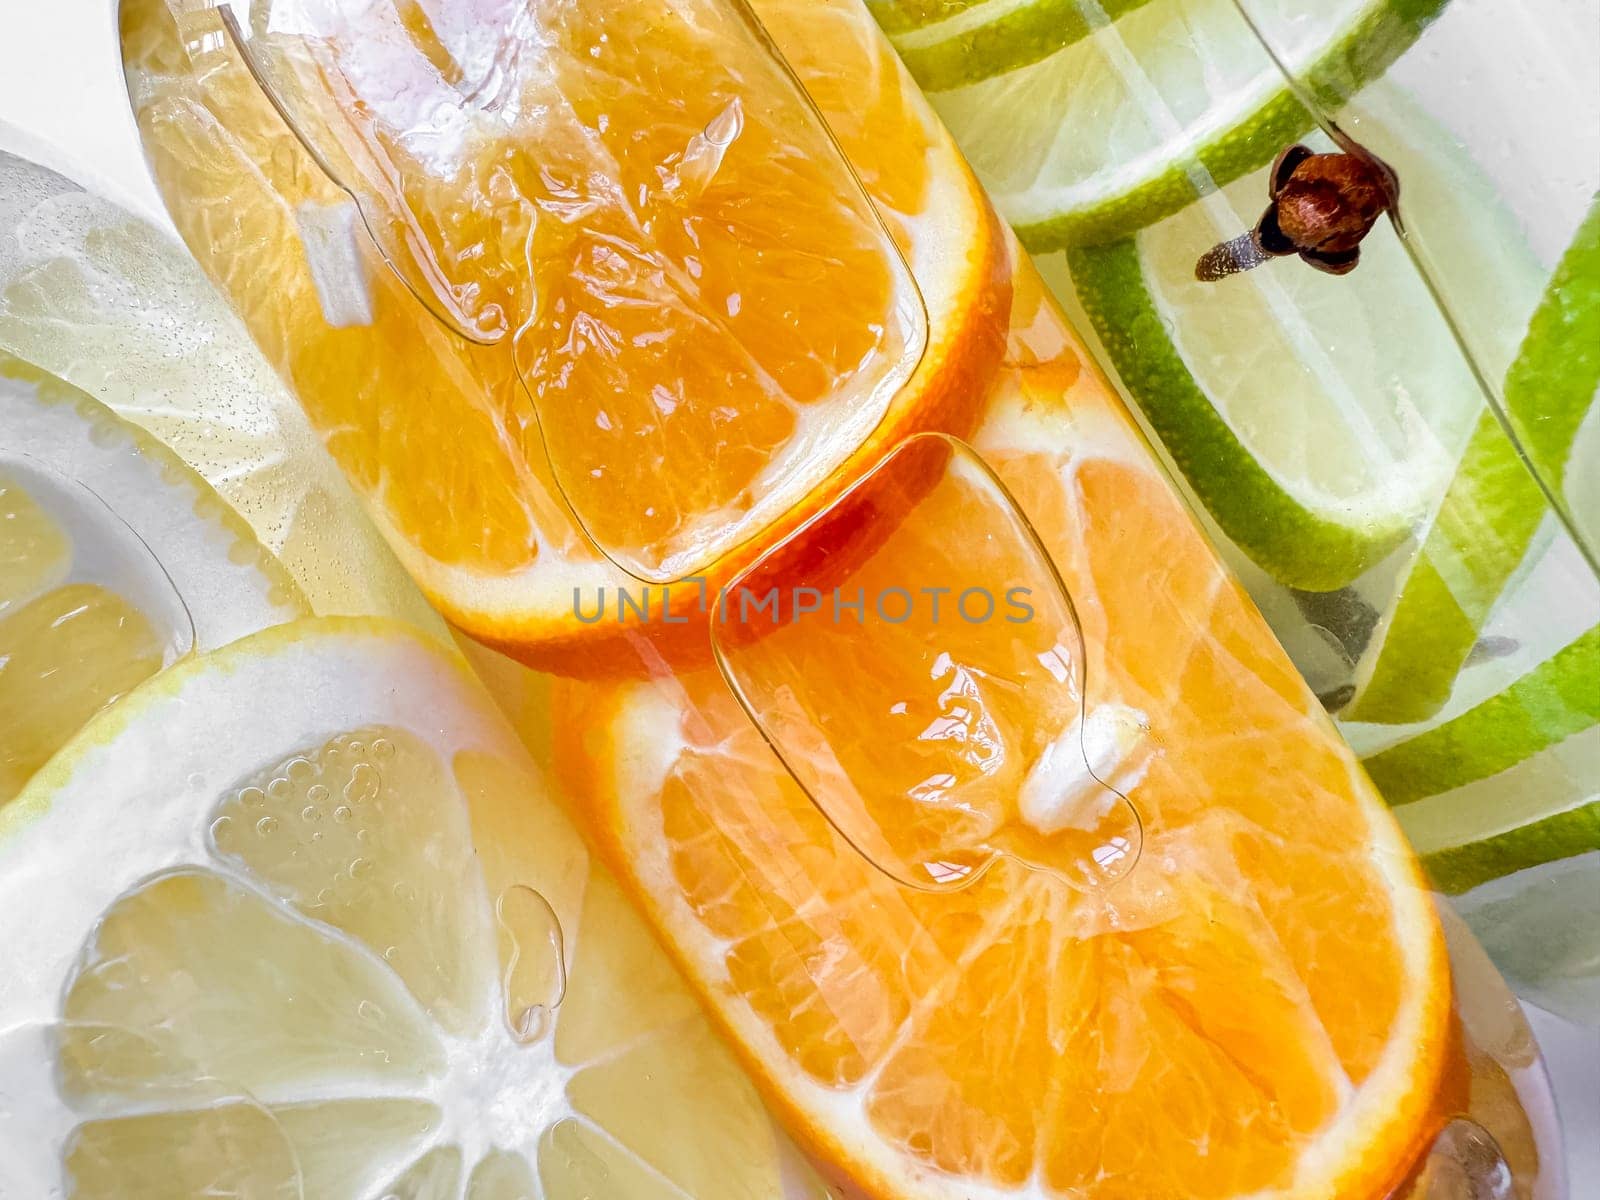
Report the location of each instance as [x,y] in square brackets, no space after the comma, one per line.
[1260,1008]
[436,431]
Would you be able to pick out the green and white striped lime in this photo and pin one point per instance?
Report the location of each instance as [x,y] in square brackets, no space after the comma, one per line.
[946,45]
[1315,418]
[1117,129]
[1494,507]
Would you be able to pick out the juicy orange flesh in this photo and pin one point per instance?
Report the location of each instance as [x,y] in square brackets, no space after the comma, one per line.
[66,652]
[1189,1032]
[679,326]
[954,689]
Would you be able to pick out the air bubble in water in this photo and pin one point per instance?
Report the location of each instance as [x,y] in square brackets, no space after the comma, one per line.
[267,826]
[363,785]
[533,949]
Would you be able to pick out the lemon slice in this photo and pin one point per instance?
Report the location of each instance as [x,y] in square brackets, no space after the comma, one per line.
[115,559]
[115,306]
[296,918]
[225,578]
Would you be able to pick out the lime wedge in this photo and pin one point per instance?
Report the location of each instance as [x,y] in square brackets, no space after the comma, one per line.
[1493,507]
[1115,130]
[1554,701]
[1550,389]
[1315,418]
[960,43]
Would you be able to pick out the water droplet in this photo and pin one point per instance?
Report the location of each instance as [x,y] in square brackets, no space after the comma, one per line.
[298,770]
[343,813]
[267,826]
[252,797]
[310,813]
[324,895]
[382,749]
[219,827]
[534,953]
[368,1011]
[279,788]
[389,953]
[317,793]
[360,867]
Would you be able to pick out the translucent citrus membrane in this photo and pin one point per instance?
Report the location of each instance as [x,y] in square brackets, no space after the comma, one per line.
[212,1139]
[962,735]
[86,613]
[704,307]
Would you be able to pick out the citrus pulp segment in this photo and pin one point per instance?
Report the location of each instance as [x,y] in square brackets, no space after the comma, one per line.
[1117,130]
[433,430]
[954,1045]
[300,910]
[1315,418]
[116,307]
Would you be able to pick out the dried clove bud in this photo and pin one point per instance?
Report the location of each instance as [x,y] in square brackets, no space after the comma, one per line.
[1322,206]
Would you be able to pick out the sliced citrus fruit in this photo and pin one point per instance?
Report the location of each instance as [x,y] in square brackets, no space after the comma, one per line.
[1111,133]
[706,311]
[116,307]
[115,559]
[298,918]
[1315,418]
[1494,508]
[1531,750]
[434,430]
[1019,1037]
[945,45]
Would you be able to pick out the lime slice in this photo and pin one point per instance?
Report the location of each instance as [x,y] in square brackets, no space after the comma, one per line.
[958,43]
[1551,388]
[298,916]
[1315,418]
[1116,130]
[1493,507]
[1556,700]
[117,307]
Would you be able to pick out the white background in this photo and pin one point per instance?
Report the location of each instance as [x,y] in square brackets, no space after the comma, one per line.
[61,83]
